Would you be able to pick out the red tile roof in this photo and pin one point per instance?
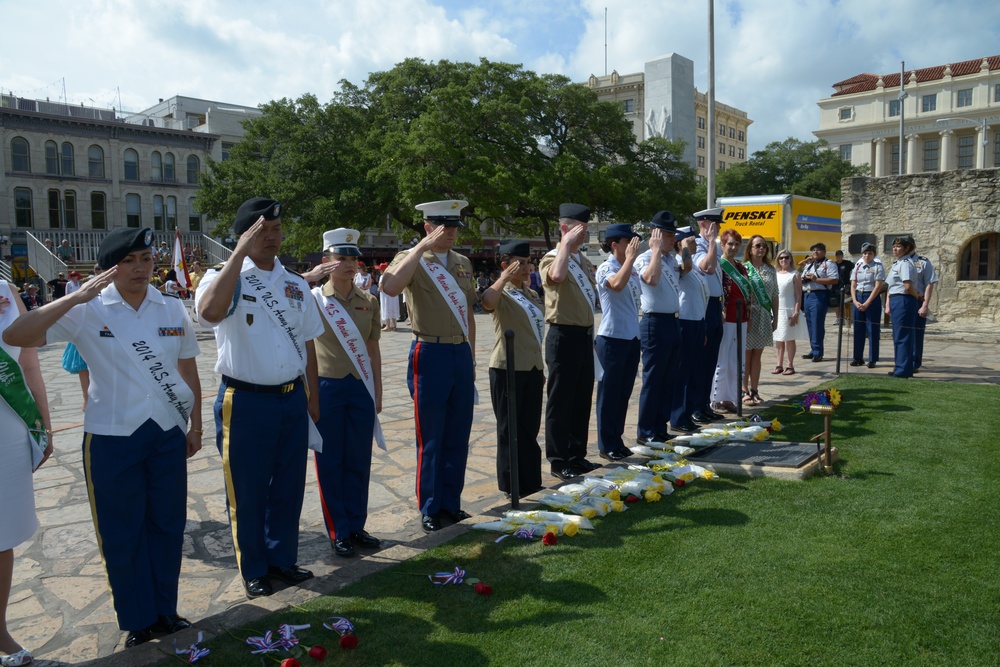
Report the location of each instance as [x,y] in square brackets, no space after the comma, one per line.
[864,82]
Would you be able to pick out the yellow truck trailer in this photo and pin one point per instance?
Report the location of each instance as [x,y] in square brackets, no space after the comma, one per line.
[788,221]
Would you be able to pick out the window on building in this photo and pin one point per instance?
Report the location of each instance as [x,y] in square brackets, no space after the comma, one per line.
[171,213]
[722,148]
[701,179]
[156,166]
[158,213]
[133,211]
[226,147]
[996,92]
[741,154]
[701,121]
[194,218]
[54,208]
[69,209]
[22,207]
[95,162]
[741,135]
[20,156]
[964,98]
[131,165]
[996,149]
[966,152]
[846,113]
[701,142]
[67,159]
[981,258]
[928,103]
[168,168]
[701,161]
[62,209]
[722,166]
[98,211]
[193,169]
[629,106]
[732,150]
[732,133]
[894,107]
[51,158]
[845,152]
[722,129]
[894,151]
[932,155]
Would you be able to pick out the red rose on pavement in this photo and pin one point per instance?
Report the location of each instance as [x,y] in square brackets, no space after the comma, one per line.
[290,662]
[348,641]
[549,539]
[679,482]
[630,499]
[484,589]
[317,652]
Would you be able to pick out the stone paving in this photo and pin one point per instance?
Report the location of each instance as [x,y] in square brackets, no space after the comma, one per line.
[60,607]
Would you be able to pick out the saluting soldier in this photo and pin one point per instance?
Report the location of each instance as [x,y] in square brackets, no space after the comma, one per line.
[706,263]
[144,390]
[693,304]
[570,295]
[517,307]
[440,293]
[265,322]
[350,390]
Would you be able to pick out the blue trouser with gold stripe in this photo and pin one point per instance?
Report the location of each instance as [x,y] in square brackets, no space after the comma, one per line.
[138,497]
[347,424]
[440,379]
[263,439]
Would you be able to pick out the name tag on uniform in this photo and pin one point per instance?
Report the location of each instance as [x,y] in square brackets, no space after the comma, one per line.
[171,331]
[106,333]
[247,297]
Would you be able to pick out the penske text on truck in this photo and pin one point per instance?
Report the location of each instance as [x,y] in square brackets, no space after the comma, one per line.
[790,221]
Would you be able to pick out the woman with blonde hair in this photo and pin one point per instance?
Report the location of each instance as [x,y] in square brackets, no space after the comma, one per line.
[763,312]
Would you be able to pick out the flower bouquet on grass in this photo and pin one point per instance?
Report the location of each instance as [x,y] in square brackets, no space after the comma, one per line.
[830,397]
[646,450]
[639,481]
[543,522]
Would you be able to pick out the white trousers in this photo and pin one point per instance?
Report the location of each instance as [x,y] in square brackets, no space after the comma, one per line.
[728,384]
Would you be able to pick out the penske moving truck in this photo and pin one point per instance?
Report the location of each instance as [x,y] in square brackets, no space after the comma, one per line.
[788,221]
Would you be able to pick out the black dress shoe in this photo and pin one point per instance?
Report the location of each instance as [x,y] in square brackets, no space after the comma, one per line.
[871,364]
[136,637]
[362,539]
[258,587]
[857,362]
[455,515]
[807,356]
[171,624]
[716,416]
[817,358]
[430,523]
[611,456]
[343,547]
[290,575]
[566,472]
[701,418]
[684,427]
[625,451]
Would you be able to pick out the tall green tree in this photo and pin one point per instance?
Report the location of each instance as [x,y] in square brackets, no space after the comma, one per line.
[791,166]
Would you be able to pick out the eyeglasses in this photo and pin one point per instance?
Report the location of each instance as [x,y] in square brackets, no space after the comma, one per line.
[784,257]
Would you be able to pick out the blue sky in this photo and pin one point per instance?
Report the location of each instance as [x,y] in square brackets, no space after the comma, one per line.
[774,58]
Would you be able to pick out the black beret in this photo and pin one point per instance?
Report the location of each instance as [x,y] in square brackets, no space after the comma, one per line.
[664,220]
[866,246]
[905,239]
[252,209]
[619,230]
[574,212]
[515,248]
[120,242]
[818,246]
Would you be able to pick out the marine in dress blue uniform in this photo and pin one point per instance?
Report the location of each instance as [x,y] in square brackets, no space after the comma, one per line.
[706,263]
[441,370]
[902,306]
[924,280]
[619,288]
[819,276]
[660,329]
[867,278]
[136,434]
[265,321]
[694,299]
[347,408]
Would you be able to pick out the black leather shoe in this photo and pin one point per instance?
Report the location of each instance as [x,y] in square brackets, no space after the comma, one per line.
[362,539]
[290,575]
[566,472]
[700,418]
[430,523]
[716,416]
[455,515]
[871,364]
[684,427]
[625,451]
[611,456]
[136,637]
[857,362]
[342,547]
[586,465]
[258,587]
[817,358]
[171,624]
[807,356]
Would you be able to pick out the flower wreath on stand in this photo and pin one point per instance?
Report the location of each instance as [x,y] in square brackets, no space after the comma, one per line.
[830,397]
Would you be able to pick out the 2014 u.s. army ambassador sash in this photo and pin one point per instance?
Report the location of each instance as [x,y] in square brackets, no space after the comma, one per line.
[668,271]
[580,276]
[141,346]
[269,297]
[455,298]
[349,336]
[535,315]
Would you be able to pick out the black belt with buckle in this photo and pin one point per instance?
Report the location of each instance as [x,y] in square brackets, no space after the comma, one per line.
[286,388]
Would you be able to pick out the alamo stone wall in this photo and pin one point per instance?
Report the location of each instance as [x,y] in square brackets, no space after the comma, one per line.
[944,212]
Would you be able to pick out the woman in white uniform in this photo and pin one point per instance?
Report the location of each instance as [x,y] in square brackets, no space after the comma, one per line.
[19,374]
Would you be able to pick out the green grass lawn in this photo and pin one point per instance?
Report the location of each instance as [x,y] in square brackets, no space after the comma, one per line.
[893,561]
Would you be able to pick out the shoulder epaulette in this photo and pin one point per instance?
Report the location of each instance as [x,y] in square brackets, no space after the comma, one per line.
[294,273]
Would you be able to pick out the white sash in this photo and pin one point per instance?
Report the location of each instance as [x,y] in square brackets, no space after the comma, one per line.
[588,293]
[668,270]
[535,316]
[349,336]
[254,284]
[143,351]
[455,298]
[635,291]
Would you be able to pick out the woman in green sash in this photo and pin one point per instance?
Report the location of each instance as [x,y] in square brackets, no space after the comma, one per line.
[19,407]
[735,314]
[763,312]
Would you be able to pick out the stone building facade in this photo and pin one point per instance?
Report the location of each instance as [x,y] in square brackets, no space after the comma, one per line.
[953,216]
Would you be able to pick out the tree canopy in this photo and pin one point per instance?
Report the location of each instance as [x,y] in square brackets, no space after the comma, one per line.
[513,143]
[791,166]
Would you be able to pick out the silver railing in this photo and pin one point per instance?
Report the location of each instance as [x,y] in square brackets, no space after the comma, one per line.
[5,271]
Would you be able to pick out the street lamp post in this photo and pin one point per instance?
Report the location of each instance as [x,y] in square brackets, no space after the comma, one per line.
[986,142]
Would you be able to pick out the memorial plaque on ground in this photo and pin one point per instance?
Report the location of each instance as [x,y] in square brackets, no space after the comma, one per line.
[790,460]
